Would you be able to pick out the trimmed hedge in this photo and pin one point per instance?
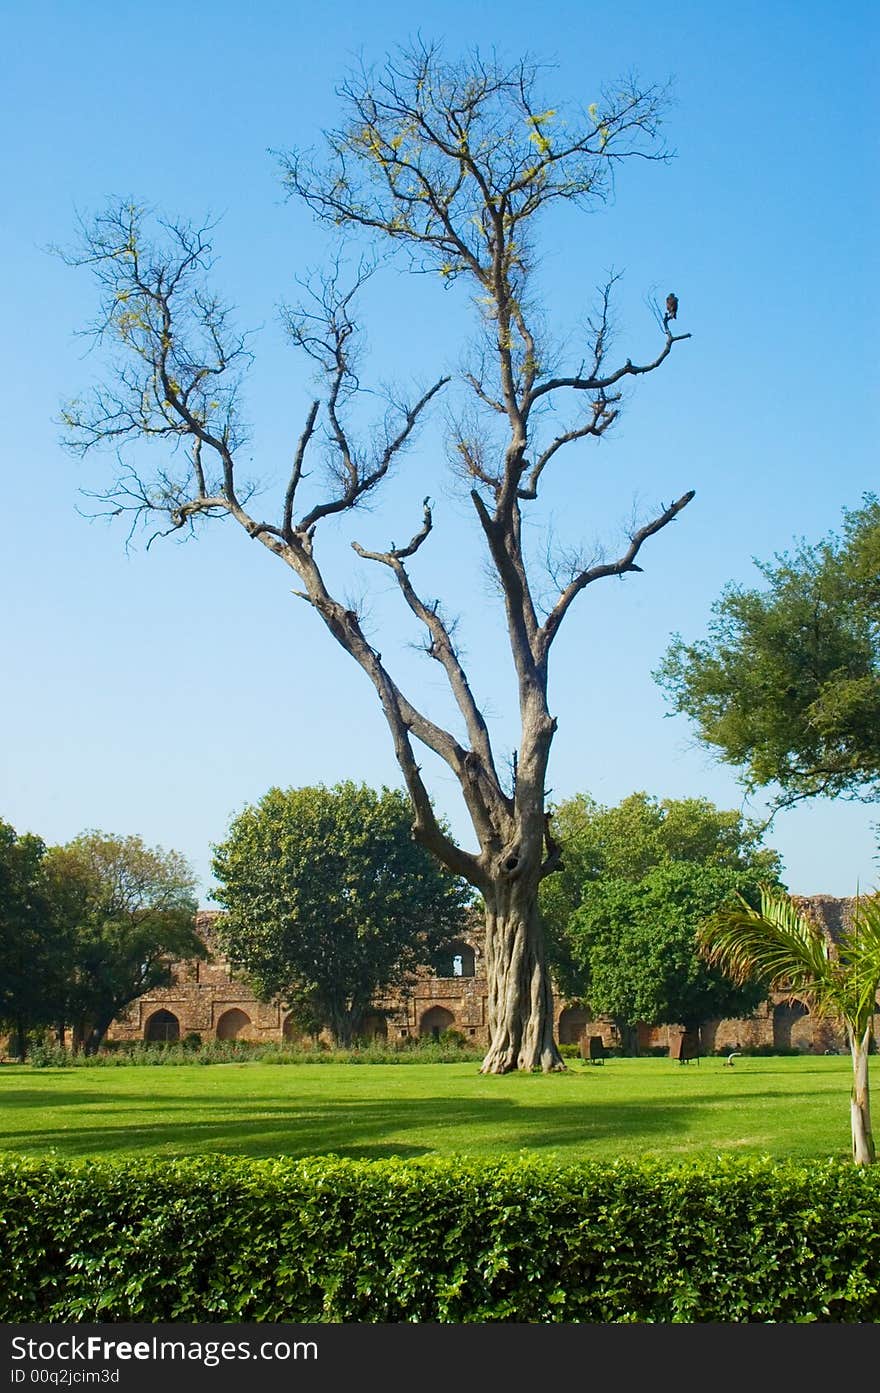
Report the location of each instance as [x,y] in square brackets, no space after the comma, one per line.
[327,1240]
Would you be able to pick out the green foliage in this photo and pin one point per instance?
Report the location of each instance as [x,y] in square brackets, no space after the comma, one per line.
[129,912]
[451,1048]
[32,941]
[326,1240]
[626,841]
[790,952]
[635,943]
[783,946]
[636,880]
[787,685]
[86,928]
[329,900]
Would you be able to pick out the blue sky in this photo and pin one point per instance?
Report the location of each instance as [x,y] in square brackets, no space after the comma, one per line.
[159,692]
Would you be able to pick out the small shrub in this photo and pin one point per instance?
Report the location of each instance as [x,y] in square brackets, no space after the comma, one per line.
[453,1039]
[48,1054]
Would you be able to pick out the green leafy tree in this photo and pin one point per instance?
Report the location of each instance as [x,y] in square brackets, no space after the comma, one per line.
[129,913]
[456,164]
[329,901]
[790,952]
[787,685]
[626,842]
[634,943]
[33,944]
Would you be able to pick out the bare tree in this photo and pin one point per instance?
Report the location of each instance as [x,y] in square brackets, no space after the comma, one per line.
[455,163]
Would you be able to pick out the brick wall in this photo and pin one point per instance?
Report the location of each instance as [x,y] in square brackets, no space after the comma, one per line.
[205,999]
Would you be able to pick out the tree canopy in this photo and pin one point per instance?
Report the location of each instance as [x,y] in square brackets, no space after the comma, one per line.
[636,881]
[86,928]
[627,841]
[634,943]
[32,940]
[128,911]
[329,901]
[786,687]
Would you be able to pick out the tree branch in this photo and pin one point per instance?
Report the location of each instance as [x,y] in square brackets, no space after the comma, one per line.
[443,651]
[600,384]
[625,563]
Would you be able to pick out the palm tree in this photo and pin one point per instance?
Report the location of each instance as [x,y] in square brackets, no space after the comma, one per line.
[782,947]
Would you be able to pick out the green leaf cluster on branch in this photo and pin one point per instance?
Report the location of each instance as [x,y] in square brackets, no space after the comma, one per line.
[786,687]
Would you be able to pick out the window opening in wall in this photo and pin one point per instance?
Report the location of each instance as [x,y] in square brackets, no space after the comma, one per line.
[162,1027]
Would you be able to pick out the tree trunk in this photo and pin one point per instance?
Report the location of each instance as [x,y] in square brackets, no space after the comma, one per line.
[341,1026]
[520,992]
[19,1040]
[95,1037]
[863,1151]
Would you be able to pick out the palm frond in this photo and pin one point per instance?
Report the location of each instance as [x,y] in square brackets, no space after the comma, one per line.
[860,956]
[781,946]
[778,945]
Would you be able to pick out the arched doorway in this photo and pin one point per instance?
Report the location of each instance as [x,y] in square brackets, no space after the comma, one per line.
[573,1022]
[786,1017]
[233,1025]
[435,1020]
[162,1027]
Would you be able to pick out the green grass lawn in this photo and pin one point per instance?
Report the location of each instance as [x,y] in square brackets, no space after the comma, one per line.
[785,1107]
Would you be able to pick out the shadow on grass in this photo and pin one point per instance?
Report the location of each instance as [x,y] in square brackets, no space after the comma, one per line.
[377,1128]
[662,1109]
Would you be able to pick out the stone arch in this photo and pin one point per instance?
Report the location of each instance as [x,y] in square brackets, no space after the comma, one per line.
[234,1024]
[786,1016]
[435,1020]
[573,1022]
[457,959]
[162,1026]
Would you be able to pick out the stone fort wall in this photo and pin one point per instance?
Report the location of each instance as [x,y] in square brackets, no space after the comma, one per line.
[205,999]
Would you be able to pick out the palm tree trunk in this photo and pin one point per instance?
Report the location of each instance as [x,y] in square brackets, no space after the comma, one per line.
[860,1108]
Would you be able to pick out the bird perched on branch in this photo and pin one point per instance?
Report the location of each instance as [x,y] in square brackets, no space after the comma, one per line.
[671,305]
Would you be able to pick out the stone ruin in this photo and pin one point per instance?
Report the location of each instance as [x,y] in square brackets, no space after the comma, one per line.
[206,1000]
